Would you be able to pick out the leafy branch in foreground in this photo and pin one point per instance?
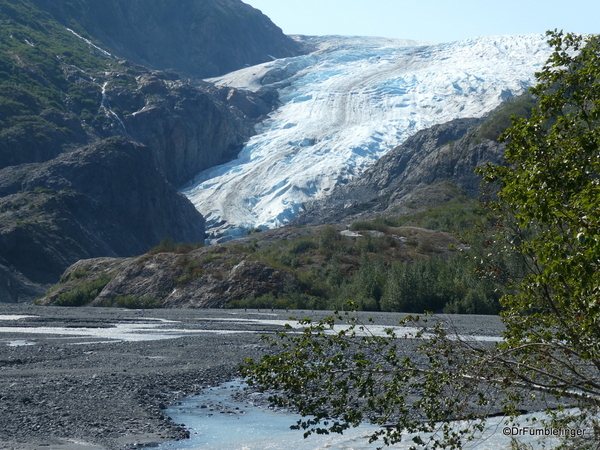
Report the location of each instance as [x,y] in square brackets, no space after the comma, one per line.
[546,214]
[420,381]
[338,373]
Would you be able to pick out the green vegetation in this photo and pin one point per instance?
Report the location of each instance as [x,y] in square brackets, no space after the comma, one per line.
[389,268]
[547,215]
[457,216]
[543,211]
[439,284]
[50,84]
[500,119]
[168,245]
[191,270]
[82,295]
[35,49]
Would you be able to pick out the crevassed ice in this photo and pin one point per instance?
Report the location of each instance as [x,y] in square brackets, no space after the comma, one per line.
[342,107]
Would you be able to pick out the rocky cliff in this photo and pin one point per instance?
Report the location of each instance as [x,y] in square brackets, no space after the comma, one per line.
[187,125]
[203,278]
[418,174]
[105,199]
[203,38]
[91,144]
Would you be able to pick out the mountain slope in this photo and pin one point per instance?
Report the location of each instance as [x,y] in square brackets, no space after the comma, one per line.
[344,106]
[74,207]
[410,177]
[59,91]
[68,188]
[202,38]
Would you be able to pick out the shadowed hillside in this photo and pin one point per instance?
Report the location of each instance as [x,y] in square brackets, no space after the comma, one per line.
[70,189]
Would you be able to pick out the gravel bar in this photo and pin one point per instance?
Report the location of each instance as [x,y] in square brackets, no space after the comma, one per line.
[101,378]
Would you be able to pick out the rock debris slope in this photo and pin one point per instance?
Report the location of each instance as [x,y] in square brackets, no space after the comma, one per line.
[345,105]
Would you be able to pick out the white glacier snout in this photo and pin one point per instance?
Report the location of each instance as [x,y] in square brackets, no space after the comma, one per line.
[344,106]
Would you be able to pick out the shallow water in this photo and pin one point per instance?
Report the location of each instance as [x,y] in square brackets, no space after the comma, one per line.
[147,329]
[150,329]
[216,421]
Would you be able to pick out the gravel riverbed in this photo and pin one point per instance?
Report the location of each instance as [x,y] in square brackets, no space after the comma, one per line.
[100,378]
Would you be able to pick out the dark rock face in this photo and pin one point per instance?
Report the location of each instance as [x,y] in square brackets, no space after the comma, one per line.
[449,152]
[190,128]
[203,38]
[61,201]
[188,125]
[106,199]
[14,286]
[207,277]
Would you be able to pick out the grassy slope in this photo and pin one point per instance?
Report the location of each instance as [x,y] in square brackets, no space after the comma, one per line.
[50,89]
[379,265]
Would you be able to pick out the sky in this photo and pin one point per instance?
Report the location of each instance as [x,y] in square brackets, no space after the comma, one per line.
[431,20]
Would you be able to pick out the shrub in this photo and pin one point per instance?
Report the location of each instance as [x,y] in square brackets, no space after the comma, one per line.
[302,245]
[191,271]
[168,245]
[328,239]
[83,295]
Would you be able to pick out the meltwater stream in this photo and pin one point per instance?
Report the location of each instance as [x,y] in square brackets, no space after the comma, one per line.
[215,420]
[218,420]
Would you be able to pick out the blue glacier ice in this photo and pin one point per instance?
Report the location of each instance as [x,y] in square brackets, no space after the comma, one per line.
[343,106]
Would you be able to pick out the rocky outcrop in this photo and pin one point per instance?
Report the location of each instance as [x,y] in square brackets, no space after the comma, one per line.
[106,199]
[421,171]
[203,38]
[15,287]
[290,266]
[207,277]
[189,127]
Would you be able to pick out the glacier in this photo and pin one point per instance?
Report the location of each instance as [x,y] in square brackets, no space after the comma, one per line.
[342,106]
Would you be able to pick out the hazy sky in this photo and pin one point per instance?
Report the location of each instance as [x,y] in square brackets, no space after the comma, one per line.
[431,20]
